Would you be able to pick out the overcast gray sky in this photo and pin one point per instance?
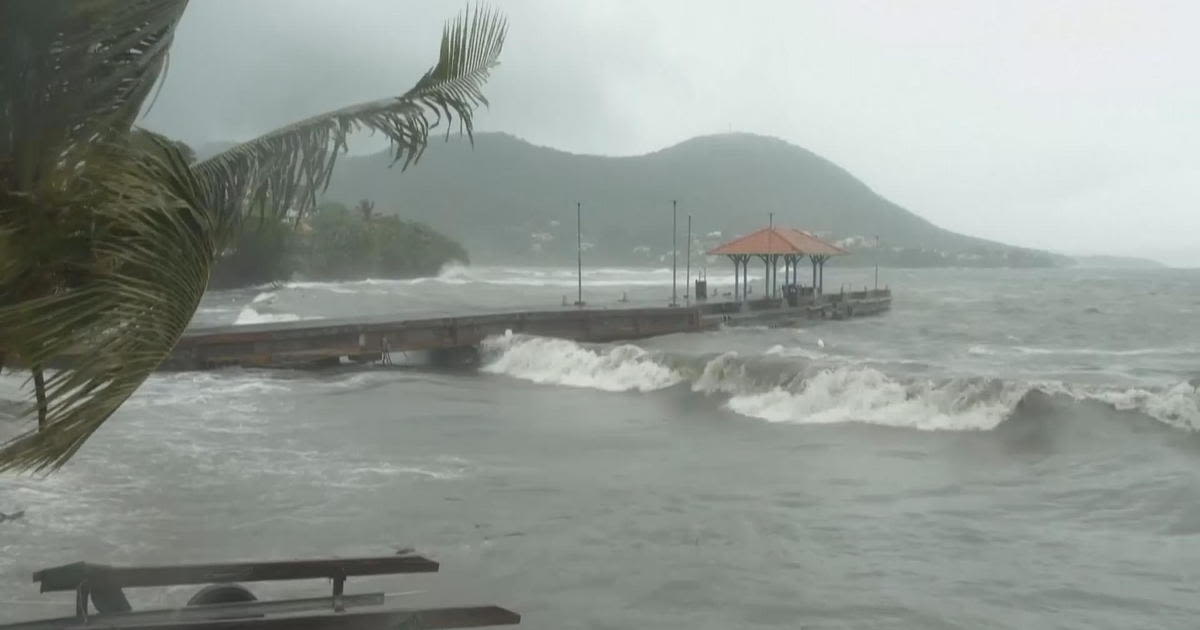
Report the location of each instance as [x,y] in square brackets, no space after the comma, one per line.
[1069,125]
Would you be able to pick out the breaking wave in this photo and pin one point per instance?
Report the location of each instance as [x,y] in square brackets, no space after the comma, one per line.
[859,393]
[1178,405]
[814,394]
[990,350]
[796,390]
[561,362]
[250,315]
[870,396]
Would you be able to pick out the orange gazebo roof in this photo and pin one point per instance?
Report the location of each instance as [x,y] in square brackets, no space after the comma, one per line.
[780,241]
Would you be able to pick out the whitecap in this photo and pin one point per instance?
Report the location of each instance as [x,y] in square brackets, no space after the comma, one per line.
[723,374]
[780,350]
[1177,405]
[866,395]
[249,315]
[562,362]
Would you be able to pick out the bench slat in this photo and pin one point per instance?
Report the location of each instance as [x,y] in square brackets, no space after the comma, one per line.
[430,618]
[69,577]
[195,613]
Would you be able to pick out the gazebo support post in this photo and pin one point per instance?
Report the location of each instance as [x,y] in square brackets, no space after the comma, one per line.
[767,273]
[734,258]
[775,276]
[814,266]
[745,276]
[821,273]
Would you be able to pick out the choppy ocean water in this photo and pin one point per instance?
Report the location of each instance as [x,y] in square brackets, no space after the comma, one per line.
[1004,449]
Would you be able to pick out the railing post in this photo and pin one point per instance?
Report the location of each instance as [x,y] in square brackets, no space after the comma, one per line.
[82,593]
[339,588]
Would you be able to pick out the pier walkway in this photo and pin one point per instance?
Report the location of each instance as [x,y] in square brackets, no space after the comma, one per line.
[455,339]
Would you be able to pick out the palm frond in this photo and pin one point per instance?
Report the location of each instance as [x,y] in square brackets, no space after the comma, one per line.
[286,169]
[107,239]
[151,250]
[73,74]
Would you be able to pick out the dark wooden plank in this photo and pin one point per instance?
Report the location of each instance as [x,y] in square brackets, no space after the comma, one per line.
[210,612]
[68,577]
[430,618]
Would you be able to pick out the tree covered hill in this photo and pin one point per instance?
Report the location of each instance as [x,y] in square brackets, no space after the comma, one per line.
[510,201]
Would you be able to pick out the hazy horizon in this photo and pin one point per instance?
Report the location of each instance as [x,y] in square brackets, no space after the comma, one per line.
[1062,126]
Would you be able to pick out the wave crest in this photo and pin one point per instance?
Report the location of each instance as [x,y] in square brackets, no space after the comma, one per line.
[771,388]
[562,362]
[1178,405]
[862,394]
[250,315]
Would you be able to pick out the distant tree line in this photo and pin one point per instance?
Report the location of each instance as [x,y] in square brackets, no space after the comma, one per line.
[979,256]
[335,243]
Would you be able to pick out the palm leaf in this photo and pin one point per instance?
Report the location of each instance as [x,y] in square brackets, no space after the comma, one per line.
[72,74]
[151,252]
[286,169]
[105,254]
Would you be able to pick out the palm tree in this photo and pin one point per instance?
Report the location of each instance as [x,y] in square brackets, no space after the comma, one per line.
[366,208]
[107,233]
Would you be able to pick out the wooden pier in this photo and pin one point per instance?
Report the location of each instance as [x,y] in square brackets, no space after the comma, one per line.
[454,339]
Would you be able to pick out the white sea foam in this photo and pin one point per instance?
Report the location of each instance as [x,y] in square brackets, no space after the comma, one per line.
[535,277]
[250,315]
[203,388]
[1177,406]
[332,287]
[379,472]
[457,274]
[1102,352]
[725,374]
[861,394]
[561,362]
[780,350]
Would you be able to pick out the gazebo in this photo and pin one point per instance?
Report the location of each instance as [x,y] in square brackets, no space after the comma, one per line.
[771,244]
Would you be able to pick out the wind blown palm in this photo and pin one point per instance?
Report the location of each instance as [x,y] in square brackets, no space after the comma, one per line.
[107,233]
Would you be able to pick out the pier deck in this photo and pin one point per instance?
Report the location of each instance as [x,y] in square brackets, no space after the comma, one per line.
[324,341]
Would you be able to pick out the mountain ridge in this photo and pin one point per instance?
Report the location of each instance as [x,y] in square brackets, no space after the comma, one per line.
[509,200]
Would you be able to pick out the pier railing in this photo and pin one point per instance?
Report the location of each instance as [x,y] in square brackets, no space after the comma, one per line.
[865,294]
[804,296]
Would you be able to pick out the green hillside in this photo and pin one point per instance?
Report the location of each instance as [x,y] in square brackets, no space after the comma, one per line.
[509,201]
